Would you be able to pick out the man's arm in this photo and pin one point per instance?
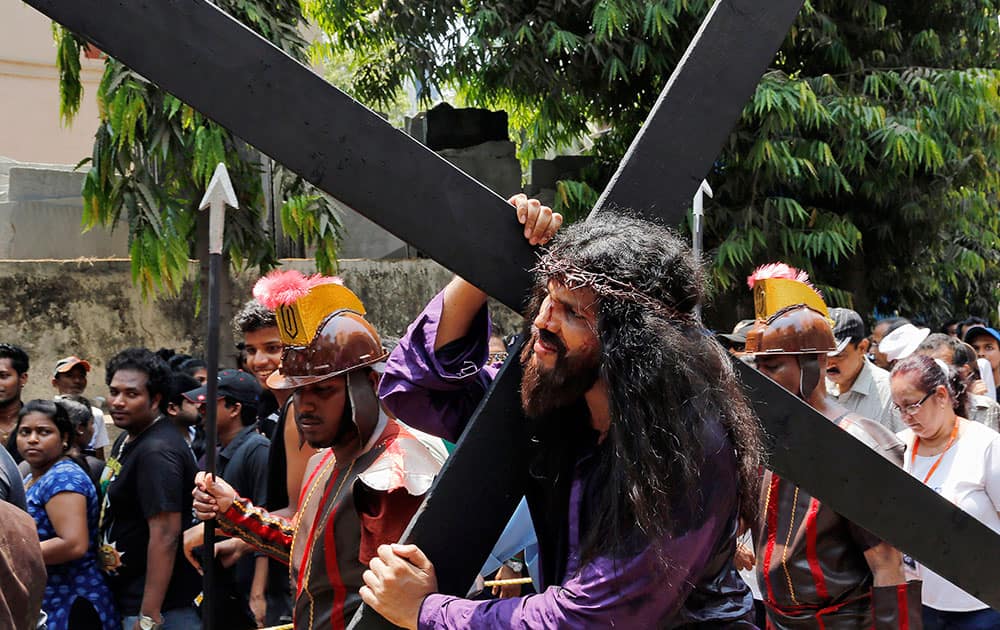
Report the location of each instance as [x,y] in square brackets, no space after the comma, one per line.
[628,592]
[893,599]
[164,530]
[256,480]
[297,456]
[886,563]
[236,516]
[435,376]
[463,301]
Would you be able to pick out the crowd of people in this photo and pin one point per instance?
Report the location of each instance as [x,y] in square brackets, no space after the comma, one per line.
[648,502]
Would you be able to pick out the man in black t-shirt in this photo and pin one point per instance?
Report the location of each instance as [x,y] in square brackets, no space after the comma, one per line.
[147,487]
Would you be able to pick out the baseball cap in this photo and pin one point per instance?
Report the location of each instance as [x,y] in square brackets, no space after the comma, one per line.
[903,341]
[235,384]
[847,325]
[67,364]
[738,337]
[975,331]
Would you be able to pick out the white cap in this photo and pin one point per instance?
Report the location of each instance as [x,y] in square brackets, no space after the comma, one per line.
[902,342]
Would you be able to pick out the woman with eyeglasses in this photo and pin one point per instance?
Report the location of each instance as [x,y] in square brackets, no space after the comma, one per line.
[958,459]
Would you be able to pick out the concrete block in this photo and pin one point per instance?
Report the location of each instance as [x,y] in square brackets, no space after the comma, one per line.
[494,164]
[32,230]
[35,184]
[367,239]
[451,128]
[545,173]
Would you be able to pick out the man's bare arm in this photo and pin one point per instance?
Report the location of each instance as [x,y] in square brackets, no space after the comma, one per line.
[164,531]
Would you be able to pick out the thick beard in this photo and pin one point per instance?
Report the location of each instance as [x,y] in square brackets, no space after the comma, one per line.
[546,390]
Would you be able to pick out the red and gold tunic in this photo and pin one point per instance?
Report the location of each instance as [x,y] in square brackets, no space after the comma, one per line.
[346,510]
[811,563]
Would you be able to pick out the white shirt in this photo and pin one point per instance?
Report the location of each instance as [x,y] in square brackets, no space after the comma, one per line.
[100,439]
[969,477]
[870,397]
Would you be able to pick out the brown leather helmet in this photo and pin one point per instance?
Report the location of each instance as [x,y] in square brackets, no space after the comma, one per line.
[796,329]
[343,342]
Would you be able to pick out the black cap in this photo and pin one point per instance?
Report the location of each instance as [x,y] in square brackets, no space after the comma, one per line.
[235,384]
[847,325]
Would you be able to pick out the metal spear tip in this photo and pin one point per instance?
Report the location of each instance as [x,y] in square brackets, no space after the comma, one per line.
[220,189]
[219,195]
[705,188]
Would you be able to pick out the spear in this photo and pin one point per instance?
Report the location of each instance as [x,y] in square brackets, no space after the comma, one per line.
[698,224]
[218,195]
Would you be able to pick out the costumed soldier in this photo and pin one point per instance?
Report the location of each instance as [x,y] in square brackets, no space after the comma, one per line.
[368,480]
[817,569]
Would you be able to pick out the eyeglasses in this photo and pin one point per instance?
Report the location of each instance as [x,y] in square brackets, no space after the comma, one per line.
[911,410]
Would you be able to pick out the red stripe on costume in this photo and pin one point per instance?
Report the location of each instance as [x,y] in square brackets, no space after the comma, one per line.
[904,609]
[772,534]
[312,475]
[331,484]
[811,555]
[333,574]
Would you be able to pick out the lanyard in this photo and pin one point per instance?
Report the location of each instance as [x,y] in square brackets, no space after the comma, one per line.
[937,462]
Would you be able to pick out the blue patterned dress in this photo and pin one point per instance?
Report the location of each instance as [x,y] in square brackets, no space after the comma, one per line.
[78,578]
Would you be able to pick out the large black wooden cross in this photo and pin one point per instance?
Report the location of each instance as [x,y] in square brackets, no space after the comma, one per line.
[235,77]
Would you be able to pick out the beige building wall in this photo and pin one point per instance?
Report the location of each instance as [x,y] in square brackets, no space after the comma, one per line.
[30,127]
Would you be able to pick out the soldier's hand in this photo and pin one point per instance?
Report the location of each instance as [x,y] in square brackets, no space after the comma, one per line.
[744,558]
[194,537]
[212,496]
[510,590]
[540,222]
[397,582]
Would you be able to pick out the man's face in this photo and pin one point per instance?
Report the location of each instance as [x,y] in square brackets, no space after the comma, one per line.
[132,408]
[11,383]
[563,356]
[263,351]
[72,382]
[880,331]
[843,369]
[319,412]
[186,414]
[987,348]
[225,416]
[787,371]
[783,369]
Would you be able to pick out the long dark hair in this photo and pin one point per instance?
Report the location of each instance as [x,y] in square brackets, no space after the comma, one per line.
[666,377]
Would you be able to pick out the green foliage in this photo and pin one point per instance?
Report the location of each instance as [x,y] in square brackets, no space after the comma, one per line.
[868,155]
[153,156]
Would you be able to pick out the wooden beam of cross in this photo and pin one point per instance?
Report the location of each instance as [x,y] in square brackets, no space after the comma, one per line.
[216,65]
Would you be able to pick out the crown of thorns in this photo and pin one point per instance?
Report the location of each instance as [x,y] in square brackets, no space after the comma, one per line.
[575,277]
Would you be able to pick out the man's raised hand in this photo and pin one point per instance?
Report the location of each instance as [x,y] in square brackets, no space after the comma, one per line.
[396,583]
[540,222]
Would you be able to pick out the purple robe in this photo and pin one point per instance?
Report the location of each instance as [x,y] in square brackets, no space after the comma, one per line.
[437,393]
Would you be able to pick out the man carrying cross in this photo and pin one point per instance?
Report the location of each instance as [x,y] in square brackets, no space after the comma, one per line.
[644,451]
[369,477]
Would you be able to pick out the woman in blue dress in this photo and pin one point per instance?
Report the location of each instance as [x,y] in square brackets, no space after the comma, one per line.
[63,501]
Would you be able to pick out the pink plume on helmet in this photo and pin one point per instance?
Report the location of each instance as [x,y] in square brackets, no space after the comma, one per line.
[287,287]
[779,270]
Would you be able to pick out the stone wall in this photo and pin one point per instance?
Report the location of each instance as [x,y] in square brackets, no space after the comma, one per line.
[91,309]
